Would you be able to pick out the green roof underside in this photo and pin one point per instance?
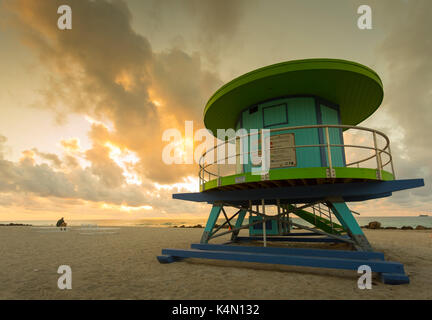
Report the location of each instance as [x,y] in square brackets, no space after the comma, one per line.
[357,89]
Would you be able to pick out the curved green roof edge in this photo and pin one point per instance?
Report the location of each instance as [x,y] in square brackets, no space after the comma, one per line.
[296,65]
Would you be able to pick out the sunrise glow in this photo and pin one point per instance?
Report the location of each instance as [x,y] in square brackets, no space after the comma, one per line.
[125,159]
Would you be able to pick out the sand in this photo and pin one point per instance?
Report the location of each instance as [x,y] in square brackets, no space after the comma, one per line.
[123,265]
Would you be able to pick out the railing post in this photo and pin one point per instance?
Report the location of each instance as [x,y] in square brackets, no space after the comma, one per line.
[264,223]
[330,217]
[199,179]
[201,173]
[378,156]
[391,161]
[329,152]
[217,164]
[250,209]
[279,216]
[315,217]
[289,221]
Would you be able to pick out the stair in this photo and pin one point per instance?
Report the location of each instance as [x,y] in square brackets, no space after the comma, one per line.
[319,222]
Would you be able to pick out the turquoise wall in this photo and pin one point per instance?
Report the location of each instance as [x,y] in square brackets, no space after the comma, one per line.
[298,111]
[330,116]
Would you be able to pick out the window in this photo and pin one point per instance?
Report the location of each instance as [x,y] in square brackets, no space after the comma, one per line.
[275,115]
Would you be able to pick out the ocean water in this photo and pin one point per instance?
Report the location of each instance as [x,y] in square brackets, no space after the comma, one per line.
[397,221]
[114,222]
[385,222]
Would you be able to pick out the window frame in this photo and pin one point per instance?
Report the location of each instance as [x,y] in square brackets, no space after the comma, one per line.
[272,106]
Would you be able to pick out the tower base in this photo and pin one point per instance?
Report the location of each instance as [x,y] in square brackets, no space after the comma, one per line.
[331,222]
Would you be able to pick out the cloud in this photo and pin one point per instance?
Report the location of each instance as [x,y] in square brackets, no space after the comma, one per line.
[51,157]
[109,173]
[405,53]
[104,69]
[210,25]
[100,182]
[218,22]
[25,176]
[3,147]
[29,185]
[72,145]
[183,85]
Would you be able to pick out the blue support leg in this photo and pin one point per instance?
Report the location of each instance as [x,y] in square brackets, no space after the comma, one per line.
[214,215]
[238,224]
[345,217]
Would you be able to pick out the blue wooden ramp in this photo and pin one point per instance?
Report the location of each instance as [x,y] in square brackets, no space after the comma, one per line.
[314,238]
[391,272]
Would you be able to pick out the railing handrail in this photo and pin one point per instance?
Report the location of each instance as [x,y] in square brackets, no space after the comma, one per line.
[378,151]
[301,127]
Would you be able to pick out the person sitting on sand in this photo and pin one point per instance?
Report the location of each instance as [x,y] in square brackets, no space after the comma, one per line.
[62,224]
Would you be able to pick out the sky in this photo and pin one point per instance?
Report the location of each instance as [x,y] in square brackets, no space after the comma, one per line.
[82,111]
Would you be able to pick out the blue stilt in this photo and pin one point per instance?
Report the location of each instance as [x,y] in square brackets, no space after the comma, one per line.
[214,215]
[345,217]
[239,222]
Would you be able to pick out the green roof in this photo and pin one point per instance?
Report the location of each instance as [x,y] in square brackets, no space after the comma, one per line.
[357,89]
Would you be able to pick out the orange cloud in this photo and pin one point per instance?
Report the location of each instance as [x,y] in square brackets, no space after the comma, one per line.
[119,78]
[72,144]
[105,71]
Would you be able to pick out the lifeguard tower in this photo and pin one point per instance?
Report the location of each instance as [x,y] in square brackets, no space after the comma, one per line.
[319,159]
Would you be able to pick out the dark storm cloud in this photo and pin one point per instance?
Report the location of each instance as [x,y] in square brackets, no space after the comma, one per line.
[215,23]
[406,53]
[218,21]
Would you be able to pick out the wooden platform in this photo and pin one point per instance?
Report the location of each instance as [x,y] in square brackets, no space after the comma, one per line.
[391,272]
[354,191]
[288,183]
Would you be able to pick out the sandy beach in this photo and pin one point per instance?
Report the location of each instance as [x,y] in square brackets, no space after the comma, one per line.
[123,265]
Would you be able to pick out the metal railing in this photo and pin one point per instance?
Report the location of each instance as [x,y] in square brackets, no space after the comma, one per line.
[210,170]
